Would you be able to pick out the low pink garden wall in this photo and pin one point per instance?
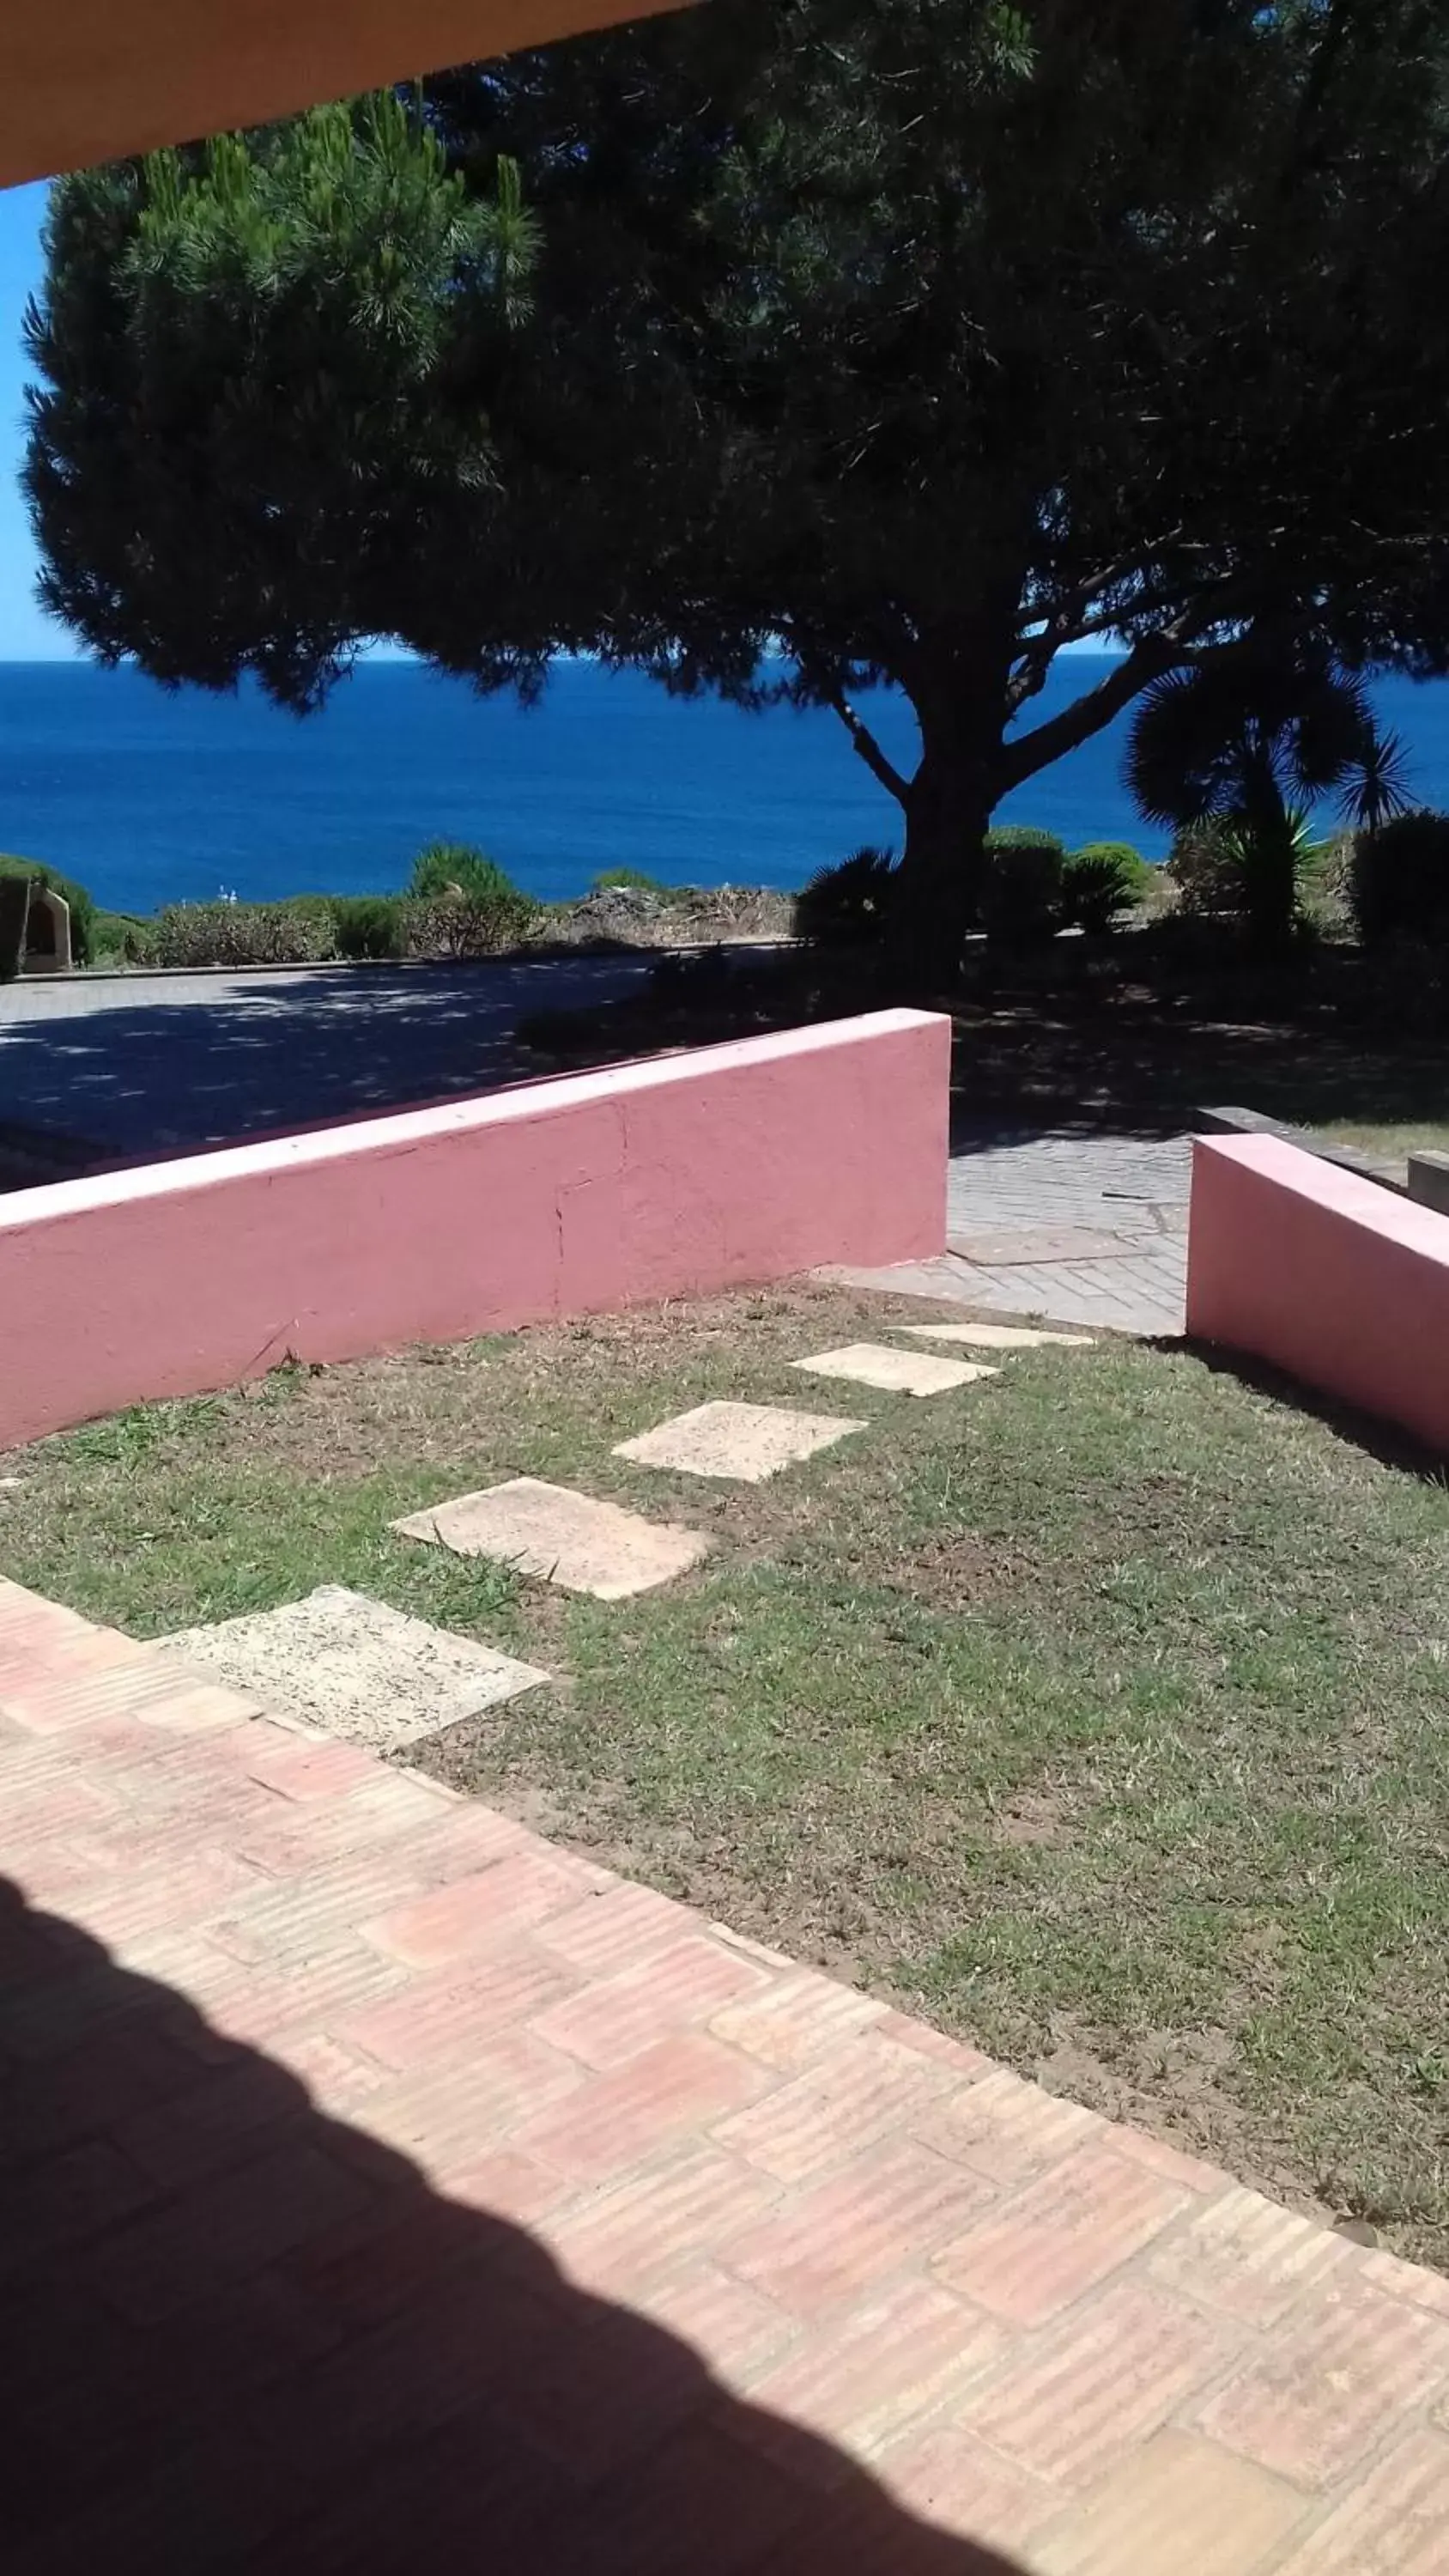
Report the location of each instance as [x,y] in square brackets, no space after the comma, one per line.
[1332,1278]
[719,1167]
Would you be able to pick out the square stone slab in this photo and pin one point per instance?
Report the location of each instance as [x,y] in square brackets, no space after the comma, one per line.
[567,1538]
[747,1442]
[356,1668]
[997,1337]
[902,1372]
[1030,1244]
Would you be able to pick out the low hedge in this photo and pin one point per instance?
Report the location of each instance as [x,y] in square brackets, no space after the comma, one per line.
[1021,883]
[314,930]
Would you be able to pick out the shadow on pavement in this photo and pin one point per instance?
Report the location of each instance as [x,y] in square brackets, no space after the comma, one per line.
[237,2334]
[197,1062]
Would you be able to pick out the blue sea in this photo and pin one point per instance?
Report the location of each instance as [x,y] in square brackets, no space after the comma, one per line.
[154,797]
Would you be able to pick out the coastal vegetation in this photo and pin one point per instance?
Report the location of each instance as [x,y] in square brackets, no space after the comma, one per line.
[785,351]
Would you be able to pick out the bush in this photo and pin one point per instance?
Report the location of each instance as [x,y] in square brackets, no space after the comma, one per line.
[633,881]
[1101,881]
[492,912]
[300,933]
[1024,836]
[1205,870]
[1398,880]
[118,938]
[368,925]
[455,867]
[1407,985]
[459,926]
[847,904]
[1021,883]
[82,904]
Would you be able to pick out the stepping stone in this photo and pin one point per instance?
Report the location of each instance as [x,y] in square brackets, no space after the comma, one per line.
[902,1372]
[356,1668]
[745,1441]
[1032,1244]
[567,1538]
[997,1337]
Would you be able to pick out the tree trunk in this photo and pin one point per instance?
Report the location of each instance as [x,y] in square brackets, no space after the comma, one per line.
[1270,864]
[1271,887]
[948,807]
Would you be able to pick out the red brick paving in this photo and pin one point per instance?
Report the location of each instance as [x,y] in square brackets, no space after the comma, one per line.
[385,2189]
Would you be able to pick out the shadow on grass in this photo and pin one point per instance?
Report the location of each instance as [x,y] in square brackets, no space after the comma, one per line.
[1380,1440]
[237,2334]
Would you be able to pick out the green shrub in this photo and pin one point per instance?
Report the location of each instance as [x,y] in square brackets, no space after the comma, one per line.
[847,904]
[1024,836]
[1021,883]
[118,938]
[82,904]
[299,933]
[455,867]
[1398,880]
[1100,882]
[492,913]
[455,925]
[368,925]
[632,881]
[1206,872]
[1407,985]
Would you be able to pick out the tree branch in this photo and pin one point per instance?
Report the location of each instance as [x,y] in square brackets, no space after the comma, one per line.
[1087,714]
[1167,650]
[864,742]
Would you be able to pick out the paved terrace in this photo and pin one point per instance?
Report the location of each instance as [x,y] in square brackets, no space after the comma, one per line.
[387,2189]
[1084,1229]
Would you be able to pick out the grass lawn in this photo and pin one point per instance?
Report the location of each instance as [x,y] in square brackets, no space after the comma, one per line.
[1396,1139]
[1096,1710]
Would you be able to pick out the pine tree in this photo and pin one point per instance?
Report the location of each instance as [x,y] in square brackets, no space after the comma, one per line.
[898,340]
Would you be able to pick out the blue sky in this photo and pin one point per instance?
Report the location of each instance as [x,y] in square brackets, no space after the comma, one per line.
[25,635]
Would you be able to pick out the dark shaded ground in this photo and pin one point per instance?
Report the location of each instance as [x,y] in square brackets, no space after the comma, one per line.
[266,2343]
[147,1064]
[1126,1036]
[1122,1036]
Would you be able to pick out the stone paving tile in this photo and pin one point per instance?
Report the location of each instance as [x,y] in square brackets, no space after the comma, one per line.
[1328,2389]
[1072,2404]
[449,2200]
[1247,2255]
[745,1443]
[1395,2524]
[898,1372]
[997,1337]
[1238,2515]
[563,1537]
[1045,2247]
[1128,1195]
[955,2483]
[357,1668]
[1001,1248]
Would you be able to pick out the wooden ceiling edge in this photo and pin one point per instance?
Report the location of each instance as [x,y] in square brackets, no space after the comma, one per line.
[84,81]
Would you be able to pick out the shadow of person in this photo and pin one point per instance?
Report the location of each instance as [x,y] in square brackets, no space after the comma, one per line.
[237,2334]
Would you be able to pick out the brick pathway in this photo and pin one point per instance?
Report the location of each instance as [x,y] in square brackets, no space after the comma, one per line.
[1086,1230]
[386,2189]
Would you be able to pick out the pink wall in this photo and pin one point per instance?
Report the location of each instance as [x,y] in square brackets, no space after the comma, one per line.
[1334,1279]
[665,1178]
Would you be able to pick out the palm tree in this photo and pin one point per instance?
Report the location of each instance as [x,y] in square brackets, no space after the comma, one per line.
[1250,746]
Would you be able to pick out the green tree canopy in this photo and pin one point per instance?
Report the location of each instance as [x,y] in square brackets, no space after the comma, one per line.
[864,340]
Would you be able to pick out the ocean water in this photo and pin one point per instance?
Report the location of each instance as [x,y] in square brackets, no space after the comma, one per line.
[153,797]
